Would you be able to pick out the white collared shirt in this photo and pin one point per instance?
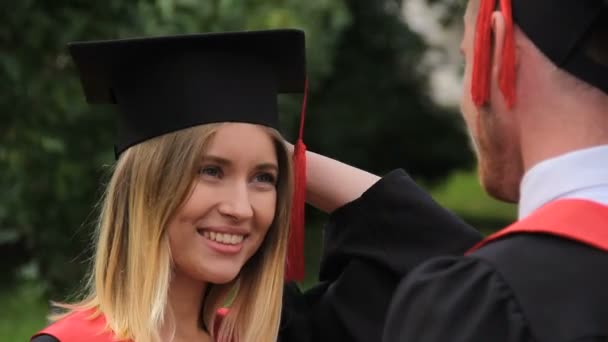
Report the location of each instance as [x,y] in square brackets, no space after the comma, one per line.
[581,174]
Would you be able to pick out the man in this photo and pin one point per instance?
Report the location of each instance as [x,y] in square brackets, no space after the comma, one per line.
[537,113]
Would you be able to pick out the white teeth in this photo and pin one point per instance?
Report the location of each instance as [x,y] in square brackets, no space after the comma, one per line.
[229,239]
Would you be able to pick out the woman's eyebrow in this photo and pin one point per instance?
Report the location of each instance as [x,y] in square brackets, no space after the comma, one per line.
[216,159]
[226,162]
[268,166]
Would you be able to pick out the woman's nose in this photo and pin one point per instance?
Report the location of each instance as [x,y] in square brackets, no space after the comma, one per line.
[236,203]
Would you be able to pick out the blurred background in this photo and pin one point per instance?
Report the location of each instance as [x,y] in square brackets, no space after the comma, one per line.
[385,83]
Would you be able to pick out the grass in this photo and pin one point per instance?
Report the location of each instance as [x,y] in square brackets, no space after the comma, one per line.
[463,194]
[23,312]
[24,308]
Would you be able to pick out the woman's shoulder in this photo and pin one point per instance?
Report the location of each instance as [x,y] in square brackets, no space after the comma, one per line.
[77,326]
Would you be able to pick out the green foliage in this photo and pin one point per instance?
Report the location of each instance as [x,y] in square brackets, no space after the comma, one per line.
[451,10]
[374,110]
[53,146]
[368,106]
[23,312]
[463,194]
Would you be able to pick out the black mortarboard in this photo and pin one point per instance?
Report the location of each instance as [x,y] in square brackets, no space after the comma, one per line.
[559,28]
[163,84]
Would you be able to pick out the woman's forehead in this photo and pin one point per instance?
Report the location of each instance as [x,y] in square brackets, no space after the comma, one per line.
[242,142]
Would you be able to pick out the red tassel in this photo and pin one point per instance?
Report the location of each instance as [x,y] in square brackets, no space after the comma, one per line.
[481,64]
[480,82]
[507,67]
[295,252]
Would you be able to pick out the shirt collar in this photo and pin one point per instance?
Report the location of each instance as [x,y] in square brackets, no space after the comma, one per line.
[580,174]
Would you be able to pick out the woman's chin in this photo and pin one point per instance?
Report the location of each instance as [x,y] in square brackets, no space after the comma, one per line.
[216,273]
[221,278]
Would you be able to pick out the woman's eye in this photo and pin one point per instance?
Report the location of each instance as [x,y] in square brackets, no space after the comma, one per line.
[211,171]
[265,178]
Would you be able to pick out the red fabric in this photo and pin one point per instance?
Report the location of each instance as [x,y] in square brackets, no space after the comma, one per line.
[579,220]
[220,314]
[79,326]
[480,81]
[295,251]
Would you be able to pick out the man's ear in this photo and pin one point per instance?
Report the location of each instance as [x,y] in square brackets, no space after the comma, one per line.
[498,42]
[504,55]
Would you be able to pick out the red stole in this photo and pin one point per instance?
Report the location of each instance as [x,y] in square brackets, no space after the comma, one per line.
[79,325]
[574,219]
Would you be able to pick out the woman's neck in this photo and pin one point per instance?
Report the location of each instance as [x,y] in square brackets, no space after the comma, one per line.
[185,301]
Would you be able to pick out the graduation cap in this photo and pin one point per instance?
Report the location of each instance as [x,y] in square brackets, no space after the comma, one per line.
[557,27]
[165,84]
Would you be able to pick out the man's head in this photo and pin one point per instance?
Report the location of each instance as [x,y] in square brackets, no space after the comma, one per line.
[510,134]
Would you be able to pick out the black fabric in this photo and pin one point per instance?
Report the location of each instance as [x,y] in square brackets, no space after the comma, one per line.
[163,84]
[370,244]
[44,338]
[396,224]
[558,27]
[586,69]
[523,288]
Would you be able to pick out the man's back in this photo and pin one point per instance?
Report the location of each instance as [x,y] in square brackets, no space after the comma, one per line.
[560,286]
[522,288]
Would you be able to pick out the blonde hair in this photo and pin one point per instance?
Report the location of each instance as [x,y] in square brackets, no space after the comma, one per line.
[130,278]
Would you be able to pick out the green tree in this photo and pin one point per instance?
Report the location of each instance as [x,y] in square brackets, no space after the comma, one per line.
[367,106]
[54,148]
[374,111]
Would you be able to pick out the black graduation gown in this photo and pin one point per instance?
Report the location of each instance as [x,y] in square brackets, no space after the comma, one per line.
[527,287]
[369,245]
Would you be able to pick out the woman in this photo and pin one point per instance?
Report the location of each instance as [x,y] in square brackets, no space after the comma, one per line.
[196,211]
[168,233]
[197,208]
